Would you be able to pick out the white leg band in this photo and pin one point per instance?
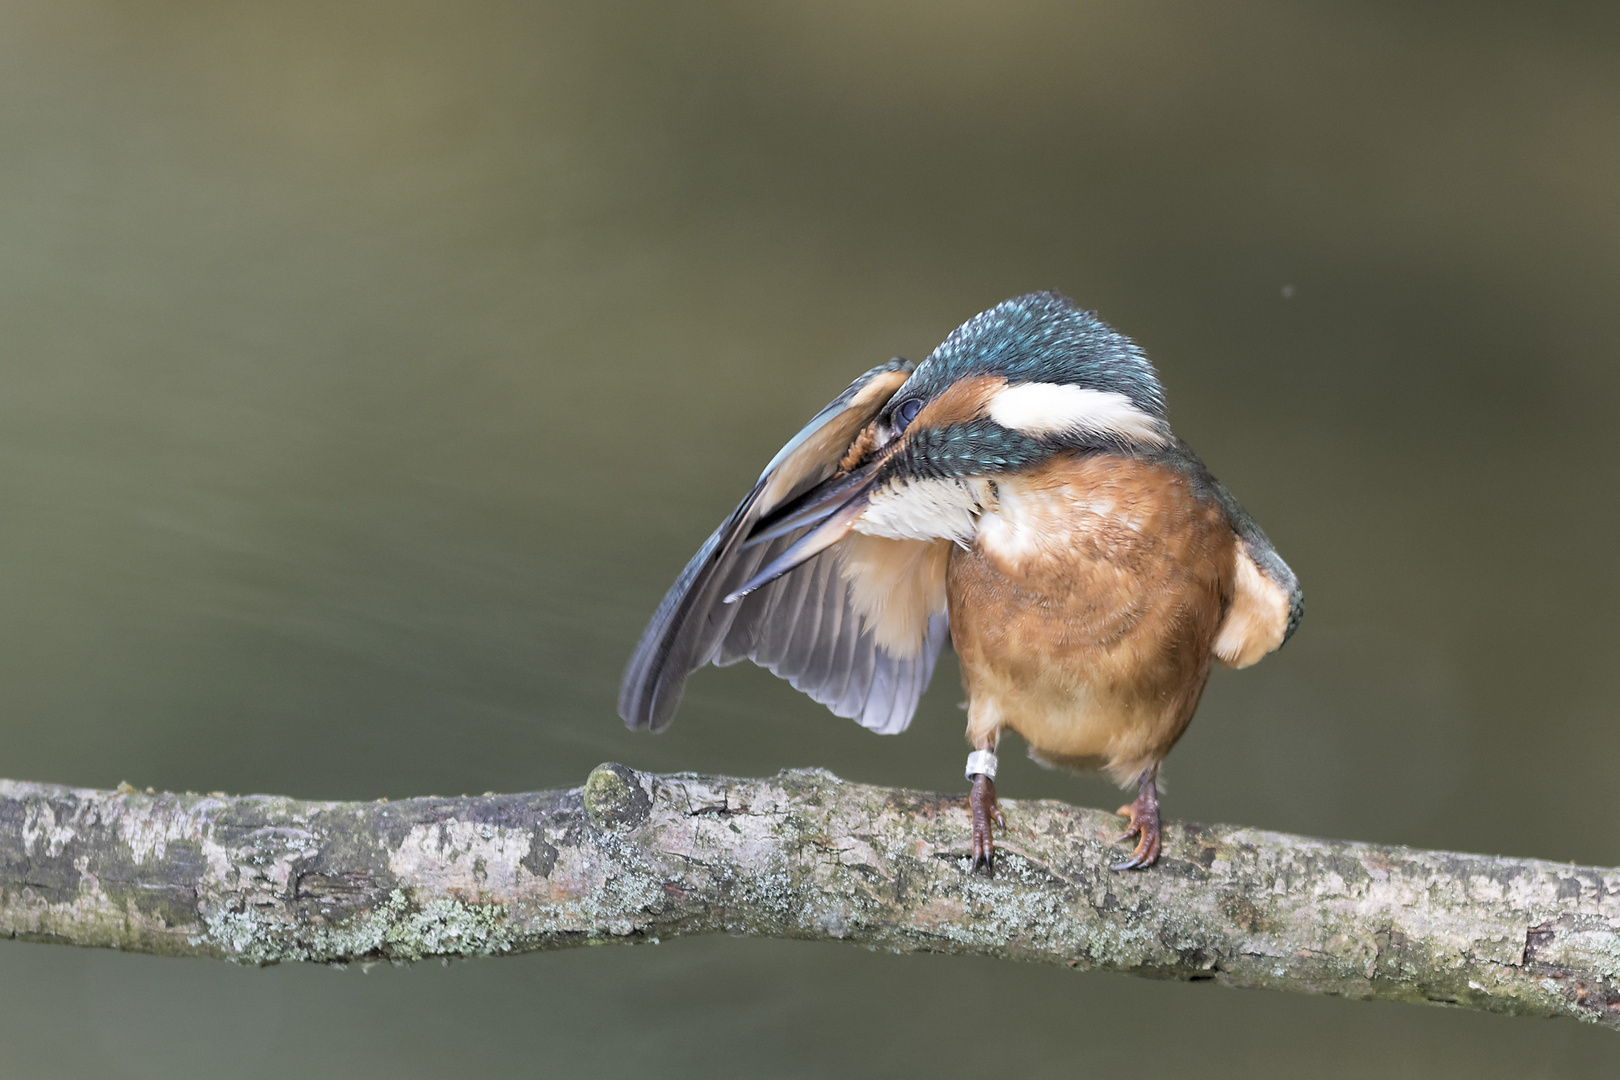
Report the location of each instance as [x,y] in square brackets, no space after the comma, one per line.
[982,763]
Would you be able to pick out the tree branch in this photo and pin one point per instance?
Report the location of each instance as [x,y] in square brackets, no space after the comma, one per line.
[635,856]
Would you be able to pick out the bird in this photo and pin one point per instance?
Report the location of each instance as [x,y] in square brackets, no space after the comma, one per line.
[1020,495]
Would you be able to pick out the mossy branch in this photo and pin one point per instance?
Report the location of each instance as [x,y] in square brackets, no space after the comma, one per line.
[635,857]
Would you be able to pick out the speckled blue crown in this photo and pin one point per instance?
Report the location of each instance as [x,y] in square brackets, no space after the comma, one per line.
[1042,337]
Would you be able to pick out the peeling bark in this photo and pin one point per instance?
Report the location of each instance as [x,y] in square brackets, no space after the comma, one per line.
[634,857]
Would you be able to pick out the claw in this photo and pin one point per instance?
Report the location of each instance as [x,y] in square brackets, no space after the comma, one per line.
[1143,815]
[982,805]
[1129,812]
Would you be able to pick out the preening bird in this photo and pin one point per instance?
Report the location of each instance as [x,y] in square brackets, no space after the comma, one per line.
[1020,494]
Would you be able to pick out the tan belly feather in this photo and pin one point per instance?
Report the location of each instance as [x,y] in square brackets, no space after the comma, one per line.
[1086,611]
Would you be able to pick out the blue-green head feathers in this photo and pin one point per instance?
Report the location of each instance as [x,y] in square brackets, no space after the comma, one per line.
[1046,339]
[1041,337]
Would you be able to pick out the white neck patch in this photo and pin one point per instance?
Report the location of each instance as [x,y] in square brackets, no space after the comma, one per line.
[925,509]
[1061,409]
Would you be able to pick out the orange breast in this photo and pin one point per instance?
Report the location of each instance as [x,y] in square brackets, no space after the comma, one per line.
[1086,610]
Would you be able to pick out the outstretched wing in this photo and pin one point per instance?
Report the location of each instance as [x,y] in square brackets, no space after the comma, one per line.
[857,627]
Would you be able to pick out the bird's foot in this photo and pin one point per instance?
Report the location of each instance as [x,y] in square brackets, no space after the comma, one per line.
[982,804]
[1144,824]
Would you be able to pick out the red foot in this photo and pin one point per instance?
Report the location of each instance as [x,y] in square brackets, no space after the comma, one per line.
[982,804]
[1144,816]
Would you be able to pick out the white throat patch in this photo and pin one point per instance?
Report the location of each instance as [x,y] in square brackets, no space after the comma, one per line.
[926,509]
[1061,409]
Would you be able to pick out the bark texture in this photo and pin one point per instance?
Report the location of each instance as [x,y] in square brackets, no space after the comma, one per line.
[634,856]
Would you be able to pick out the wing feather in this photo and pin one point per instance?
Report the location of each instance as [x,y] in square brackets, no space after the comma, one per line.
[1267,604]
[801,625]
[859,689]
[818,666]
[816,638]
[745,625]
[768,641]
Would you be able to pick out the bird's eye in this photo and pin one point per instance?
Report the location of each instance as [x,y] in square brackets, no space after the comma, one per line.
[906,413]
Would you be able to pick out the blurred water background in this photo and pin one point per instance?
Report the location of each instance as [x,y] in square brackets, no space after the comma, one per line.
[368,370]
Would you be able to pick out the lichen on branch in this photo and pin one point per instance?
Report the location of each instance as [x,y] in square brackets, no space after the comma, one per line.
[634,856]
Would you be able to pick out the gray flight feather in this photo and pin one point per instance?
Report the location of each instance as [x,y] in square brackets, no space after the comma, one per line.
[801,625]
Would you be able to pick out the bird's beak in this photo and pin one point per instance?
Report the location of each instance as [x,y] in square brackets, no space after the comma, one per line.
[831,507]
[813,506]
[836,523]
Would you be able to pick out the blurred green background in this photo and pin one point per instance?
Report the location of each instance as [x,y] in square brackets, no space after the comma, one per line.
[367,371]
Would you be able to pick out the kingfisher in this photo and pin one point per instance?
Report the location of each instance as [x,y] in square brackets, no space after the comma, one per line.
[1019,494]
